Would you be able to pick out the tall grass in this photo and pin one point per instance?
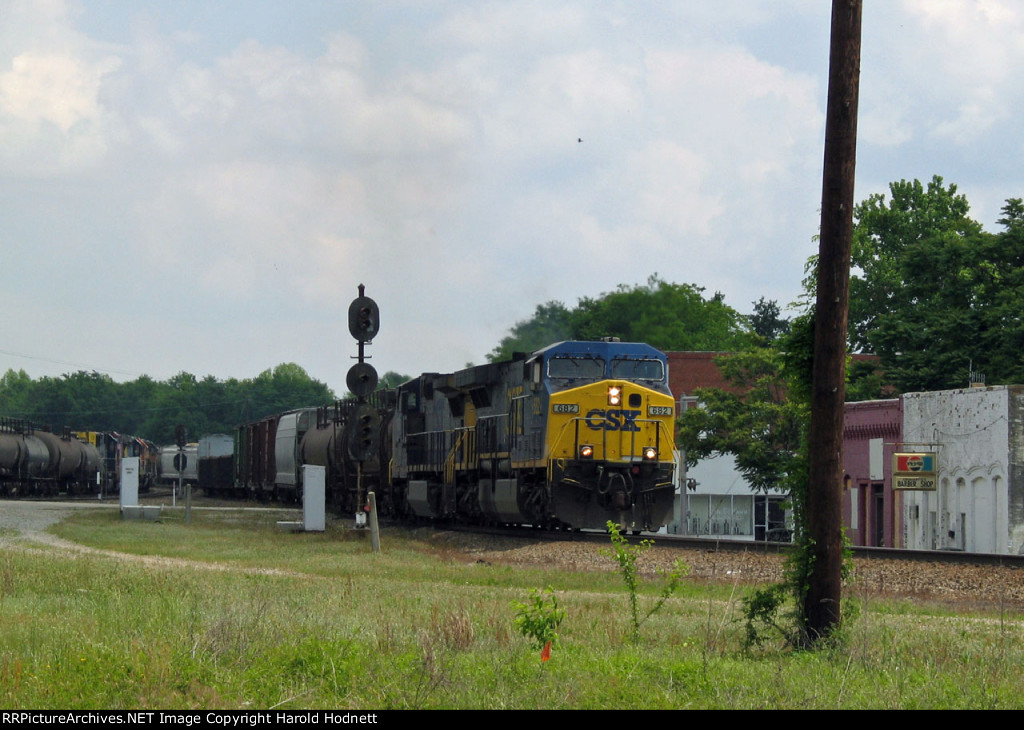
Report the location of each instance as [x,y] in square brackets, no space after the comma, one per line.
[264,619]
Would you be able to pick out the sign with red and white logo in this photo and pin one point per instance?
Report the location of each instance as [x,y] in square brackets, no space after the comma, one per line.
[915,463]
[914,470]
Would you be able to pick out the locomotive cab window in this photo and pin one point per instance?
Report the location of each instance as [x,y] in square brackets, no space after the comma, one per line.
[646,369]
[562,366]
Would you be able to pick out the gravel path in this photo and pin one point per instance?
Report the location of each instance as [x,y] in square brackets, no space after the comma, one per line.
[30,519]
[26,521]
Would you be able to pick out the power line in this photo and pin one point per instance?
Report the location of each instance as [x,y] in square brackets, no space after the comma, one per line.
[70,364]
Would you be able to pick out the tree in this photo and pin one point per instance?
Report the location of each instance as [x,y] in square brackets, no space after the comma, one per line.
[285,387]
[666,315]
[549,323]
[958,307]
[933,295]
[885,231]
[755,421]
[766,321]
[391,380]
[15,393]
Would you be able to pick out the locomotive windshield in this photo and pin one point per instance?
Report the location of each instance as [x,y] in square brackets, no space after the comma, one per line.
[563,366]
[637,369]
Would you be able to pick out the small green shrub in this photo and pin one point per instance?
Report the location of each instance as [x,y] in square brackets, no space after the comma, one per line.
[539,618]
[626,556]
[761,609]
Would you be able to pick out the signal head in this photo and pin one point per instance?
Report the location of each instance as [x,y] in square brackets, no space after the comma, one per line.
[363,319]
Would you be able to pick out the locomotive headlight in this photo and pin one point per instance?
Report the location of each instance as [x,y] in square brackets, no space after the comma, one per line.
[586,451]
[650,453]
[614,395]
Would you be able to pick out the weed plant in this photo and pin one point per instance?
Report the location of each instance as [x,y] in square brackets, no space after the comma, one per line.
[627,555]
[252,618]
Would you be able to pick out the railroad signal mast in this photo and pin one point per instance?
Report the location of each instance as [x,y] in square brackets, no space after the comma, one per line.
[364,427]
[180,462]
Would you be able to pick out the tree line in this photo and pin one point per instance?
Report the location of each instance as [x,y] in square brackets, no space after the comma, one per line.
[151,409]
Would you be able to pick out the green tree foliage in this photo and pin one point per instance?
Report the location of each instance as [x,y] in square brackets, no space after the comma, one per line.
[966,311]
[931,293]
[549,323]
[762,421]
[15,392]
[538,618]
[626,555]
[150,409]
[666,315]
[867,380]
[767,320]
[935,296]
[392,379]
[888,235]
[756,420]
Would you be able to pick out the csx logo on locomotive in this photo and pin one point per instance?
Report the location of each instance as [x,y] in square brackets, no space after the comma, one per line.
[613,419]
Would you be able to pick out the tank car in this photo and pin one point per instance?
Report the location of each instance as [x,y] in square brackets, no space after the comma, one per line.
[573,435]
[330,444]
[24,458]
[35,462]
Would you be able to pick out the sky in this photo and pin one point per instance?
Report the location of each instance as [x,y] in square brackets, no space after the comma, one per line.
[202,186]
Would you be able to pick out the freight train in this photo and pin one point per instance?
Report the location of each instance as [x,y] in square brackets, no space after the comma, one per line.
[37,463]
[569,436]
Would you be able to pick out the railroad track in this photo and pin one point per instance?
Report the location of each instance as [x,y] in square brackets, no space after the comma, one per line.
[951,579]
[747,546]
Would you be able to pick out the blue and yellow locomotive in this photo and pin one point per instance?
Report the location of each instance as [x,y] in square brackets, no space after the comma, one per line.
[573,435]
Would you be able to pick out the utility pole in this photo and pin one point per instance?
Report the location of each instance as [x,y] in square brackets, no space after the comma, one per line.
[821,610]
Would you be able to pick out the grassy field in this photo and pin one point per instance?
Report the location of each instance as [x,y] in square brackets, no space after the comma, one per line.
[259,619]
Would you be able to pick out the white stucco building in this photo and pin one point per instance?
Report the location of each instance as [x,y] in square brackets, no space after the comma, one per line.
[977,435]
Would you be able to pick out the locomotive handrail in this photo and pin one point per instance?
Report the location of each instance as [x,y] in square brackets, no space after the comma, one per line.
[437,452]
[462,436]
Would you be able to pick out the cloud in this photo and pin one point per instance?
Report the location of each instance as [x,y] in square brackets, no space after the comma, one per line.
[52,118]
[244,173]
[950,67]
